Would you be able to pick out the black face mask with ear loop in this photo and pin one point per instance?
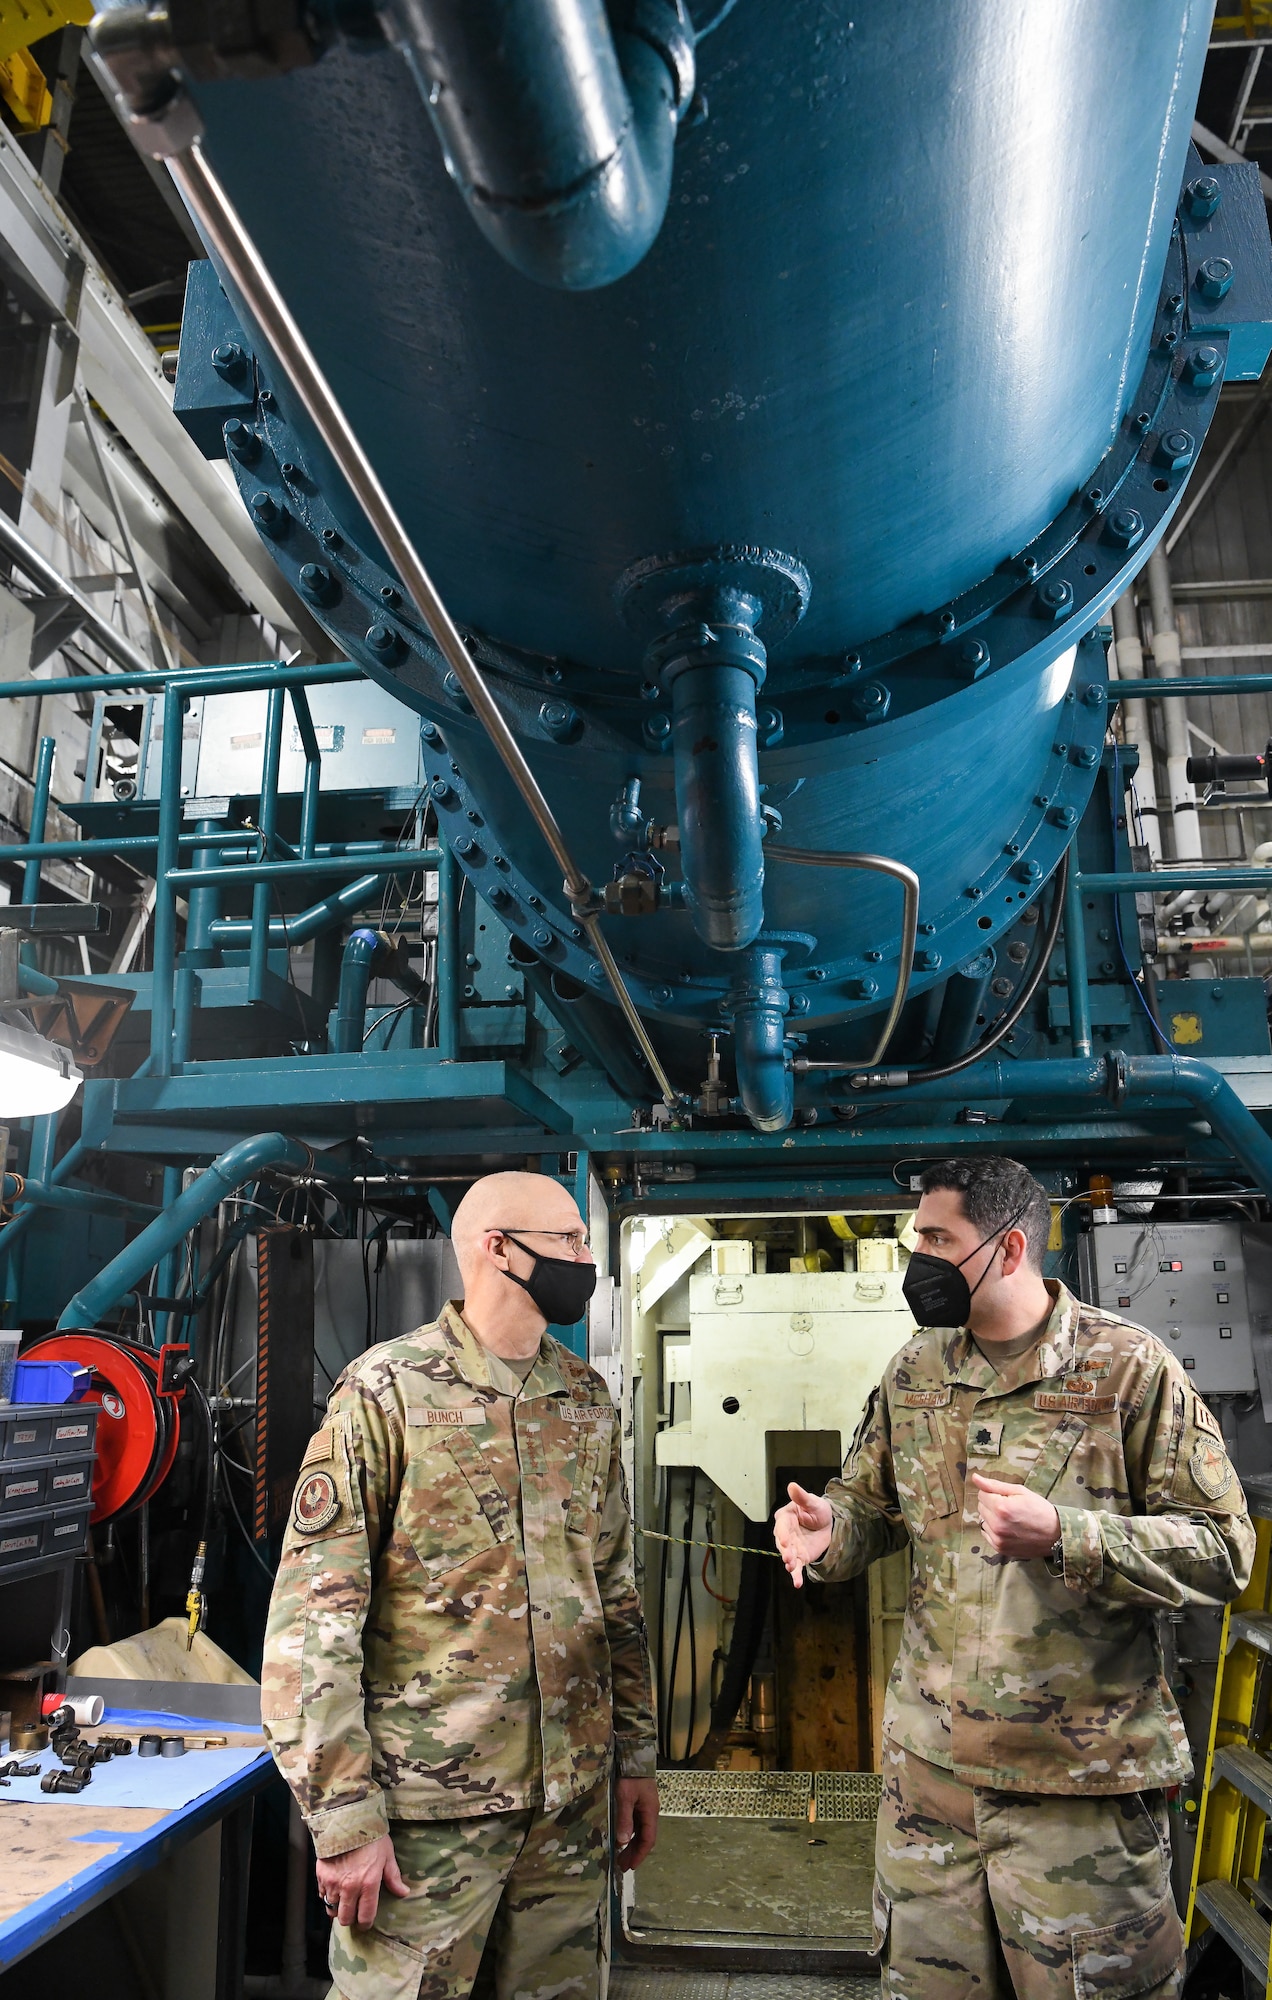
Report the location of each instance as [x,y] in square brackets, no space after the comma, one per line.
[560,1287]
[936,1291]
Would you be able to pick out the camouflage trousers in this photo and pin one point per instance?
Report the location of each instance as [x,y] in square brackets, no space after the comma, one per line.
[995,1894]
[511,1906]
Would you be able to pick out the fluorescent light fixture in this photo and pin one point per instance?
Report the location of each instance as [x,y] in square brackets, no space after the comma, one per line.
[35,1076]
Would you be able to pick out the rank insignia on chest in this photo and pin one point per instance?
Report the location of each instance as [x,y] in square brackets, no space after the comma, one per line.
[984,1440]
[1210,1468]
[317,1504]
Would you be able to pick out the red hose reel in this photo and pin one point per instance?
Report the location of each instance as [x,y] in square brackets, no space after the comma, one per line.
[140,1393]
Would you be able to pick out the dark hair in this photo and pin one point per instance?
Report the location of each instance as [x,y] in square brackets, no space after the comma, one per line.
[997,1194]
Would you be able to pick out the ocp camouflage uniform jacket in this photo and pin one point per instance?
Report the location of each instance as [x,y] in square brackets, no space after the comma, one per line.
[1009,1675]
[455,1628]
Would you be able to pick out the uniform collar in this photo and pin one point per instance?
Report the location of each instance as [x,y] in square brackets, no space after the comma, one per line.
[471,1363]
[1054,1354]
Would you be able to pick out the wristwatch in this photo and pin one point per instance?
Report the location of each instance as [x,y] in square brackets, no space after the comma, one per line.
[1054,1557]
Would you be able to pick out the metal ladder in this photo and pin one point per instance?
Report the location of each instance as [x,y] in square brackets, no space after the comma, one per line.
[1227,1891]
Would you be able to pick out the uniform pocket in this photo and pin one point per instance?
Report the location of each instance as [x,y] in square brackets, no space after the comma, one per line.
[584,1510]
[368,1965]
[1128,1957]
[451,1506]
[923,1480]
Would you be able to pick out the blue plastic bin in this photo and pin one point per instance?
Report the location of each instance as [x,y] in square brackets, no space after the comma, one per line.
[50,1381]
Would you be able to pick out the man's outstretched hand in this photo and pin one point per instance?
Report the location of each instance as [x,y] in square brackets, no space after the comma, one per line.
[1018,1524]
[802,1531]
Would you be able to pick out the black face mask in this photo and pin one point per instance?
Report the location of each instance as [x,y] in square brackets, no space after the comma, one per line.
[559,1286]
[936,1291]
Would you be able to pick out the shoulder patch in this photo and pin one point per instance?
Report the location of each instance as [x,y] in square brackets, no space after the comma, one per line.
[1210,1470]
[1204,1419]
[320,1449]
[316,1505]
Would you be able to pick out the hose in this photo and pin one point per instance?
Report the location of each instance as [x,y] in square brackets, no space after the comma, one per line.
[897,1079]
[748,1630]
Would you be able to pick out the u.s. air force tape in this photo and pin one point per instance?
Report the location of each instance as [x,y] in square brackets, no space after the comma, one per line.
[317,1504]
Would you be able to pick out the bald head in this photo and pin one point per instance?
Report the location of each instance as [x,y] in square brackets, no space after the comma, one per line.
[507,1201]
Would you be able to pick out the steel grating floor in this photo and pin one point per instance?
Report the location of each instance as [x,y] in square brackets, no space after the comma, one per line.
[847,1795]
[734,1794]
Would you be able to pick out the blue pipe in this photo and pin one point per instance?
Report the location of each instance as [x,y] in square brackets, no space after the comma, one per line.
[165,932]
[356,965]
[43,786]
[557,128]
[203,906]
[267,815]
[226,1173]
[305,924]
[1075,959]
[1116,1078]
[758,1004]
[313,772]
[718,798]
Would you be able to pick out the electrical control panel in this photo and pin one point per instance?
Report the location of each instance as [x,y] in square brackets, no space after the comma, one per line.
[1186,1282]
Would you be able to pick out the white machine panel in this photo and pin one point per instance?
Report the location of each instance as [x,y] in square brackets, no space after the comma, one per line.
[796,1351]
[1186,1282]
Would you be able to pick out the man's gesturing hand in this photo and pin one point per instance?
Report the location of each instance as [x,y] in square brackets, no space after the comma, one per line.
[349,1884]
[635,1820]
[1018,1524]
[802,1531]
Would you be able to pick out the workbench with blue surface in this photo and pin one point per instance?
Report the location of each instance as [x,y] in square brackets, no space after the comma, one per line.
[181,1929]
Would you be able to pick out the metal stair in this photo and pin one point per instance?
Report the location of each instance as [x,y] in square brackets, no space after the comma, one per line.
[1229,1890]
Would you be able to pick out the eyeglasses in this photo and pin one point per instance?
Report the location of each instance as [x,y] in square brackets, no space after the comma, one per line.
[577,1239]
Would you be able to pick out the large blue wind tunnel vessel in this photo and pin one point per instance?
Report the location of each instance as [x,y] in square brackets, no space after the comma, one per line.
[778,457]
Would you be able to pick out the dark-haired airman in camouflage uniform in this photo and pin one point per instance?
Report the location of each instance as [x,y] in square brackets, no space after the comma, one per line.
[456,1650]
[1022,1679]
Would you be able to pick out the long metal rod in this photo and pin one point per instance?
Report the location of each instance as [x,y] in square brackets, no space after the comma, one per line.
[54,584]
[223,230]
[878,864]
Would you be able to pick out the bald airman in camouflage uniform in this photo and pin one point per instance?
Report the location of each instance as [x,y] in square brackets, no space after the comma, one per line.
[1055,1490]
[456,1656]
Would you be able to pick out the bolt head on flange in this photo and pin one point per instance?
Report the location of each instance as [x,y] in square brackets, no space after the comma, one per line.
[1214,278]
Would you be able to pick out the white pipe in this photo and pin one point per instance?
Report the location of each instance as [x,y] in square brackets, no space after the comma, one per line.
[1128,651]
[1167,666]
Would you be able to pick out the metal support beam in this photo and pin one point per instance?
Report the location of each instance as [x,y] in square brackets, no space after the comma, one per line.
[53,271]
